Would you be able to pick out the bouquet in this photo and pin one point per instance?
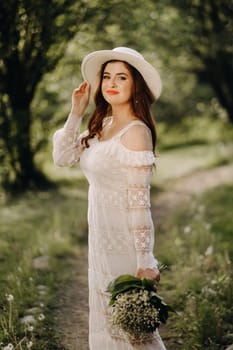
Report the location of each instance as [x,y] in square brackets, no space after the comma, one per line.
[136,309]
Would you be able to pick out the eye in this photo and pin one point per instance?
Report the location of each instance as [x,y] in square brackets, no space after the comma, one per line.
[106,76]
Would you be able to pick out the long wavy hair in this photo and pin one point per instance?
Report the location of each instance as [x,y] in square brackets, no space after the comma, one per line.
[141,102]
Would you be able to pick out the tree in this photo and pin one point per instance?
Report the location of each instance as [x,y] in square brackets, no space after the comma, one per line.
[33,37]
[203,30]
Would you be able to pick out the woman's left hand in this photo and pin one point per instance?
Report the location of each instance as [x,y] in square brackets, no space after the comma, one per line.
[153,274]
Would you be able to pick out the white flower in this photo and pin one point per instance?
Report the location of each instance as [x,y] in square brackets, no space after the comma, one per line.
[134,314]
[9,297]
[209,251]
[9,347]
[29,344]
[187,229]
[28,319]
[30,328]
[41,317]
[209,291]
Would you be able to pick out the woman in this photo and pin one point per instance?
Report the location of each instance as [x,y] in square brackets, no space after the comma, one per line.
[116,155]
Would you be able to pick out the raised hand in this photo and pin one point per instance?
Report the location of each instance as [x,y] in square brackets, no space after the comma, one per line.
[80,99]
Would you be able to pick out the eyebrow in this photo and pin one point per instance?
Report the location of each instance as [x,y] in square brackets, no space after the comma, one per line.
[116,74]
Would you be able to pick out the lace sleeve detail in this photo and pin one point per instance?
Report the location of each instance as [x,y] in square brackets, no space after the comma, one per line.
[67,146]
[141,223]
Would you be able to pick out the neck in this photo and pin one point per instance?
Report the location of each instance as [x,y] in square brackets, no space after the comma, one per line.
[122,114]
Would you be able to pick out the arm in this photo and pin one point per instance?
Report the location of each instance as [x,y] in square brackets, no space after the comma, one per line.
[141,225]
[67,145]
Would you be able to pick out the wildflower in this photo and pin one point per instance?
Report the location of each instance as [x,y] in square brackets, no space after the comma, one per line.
[9,347]
[187,229]
[9,297]
[42,290]
[41,317]
[30,328]
[209,251]
[29,344]
[208,291]
[28,319]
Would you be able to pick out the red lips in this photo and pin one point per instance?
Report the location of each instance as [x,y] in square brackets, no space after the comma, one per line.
[112,92]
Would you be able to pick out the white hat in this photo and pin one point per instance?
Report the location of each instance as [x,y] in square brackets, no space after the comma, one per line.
[91,65]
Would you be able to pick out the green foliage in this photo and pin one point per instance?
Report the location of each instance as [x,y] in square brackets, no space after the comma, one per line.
[40,234]
[202,37]
[219,205]
[200,276]
[194,131]
[124,283]
[33,37]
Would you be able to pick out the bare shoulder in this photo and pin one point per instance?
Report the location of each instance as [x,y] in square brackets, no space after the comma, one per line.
[137,138]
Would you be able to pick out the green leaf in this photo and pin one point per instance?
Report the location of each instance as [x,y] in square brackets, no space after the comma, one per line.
[148,284]
[124,282]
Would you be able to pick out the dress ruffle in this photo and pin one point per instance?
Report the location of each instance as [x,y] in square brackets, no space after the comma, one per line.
[126,156]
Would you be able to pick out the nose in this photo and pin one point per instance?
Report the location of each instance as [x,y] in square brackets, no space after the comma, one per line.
[113,82]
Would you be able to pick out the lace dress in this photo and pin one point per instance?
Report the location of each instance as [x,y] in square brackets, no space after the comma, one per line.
[121,233]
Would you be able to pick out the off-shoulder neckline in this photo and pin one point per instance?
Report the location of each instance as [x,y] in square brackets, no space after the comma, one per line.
[118,133]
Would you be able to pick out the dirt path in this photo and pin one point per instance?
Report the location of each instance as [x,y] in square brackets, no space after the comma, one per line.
[72,312]
[72,315]
[182,189]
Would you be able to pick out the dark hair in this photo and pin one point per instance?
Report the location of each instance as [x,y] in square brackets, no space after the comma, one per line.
[142,99]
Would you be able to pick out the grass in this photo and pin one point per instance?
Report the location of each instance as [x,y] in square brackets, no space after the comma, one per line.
[40,237]
[197,247]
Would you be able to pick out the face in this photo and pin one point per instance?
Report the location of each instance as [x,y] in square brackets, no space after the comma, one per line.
[117,83]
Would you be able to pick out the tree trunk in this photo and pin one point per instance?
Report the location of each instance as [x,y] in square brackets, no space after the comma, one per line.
[220,77]
[23,173]
[20,172]
[225,100]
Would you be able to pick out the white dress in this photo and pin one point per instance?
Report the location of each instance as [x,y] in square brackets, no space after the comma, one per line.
[121,232]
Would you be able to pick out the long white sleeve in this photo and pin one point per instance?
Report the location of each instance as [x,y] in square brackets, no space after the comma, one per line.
[141,224]
[67,146]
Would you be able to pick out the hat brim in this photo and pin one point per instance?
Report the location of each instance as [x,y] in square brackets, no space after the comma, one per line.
[92,63]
